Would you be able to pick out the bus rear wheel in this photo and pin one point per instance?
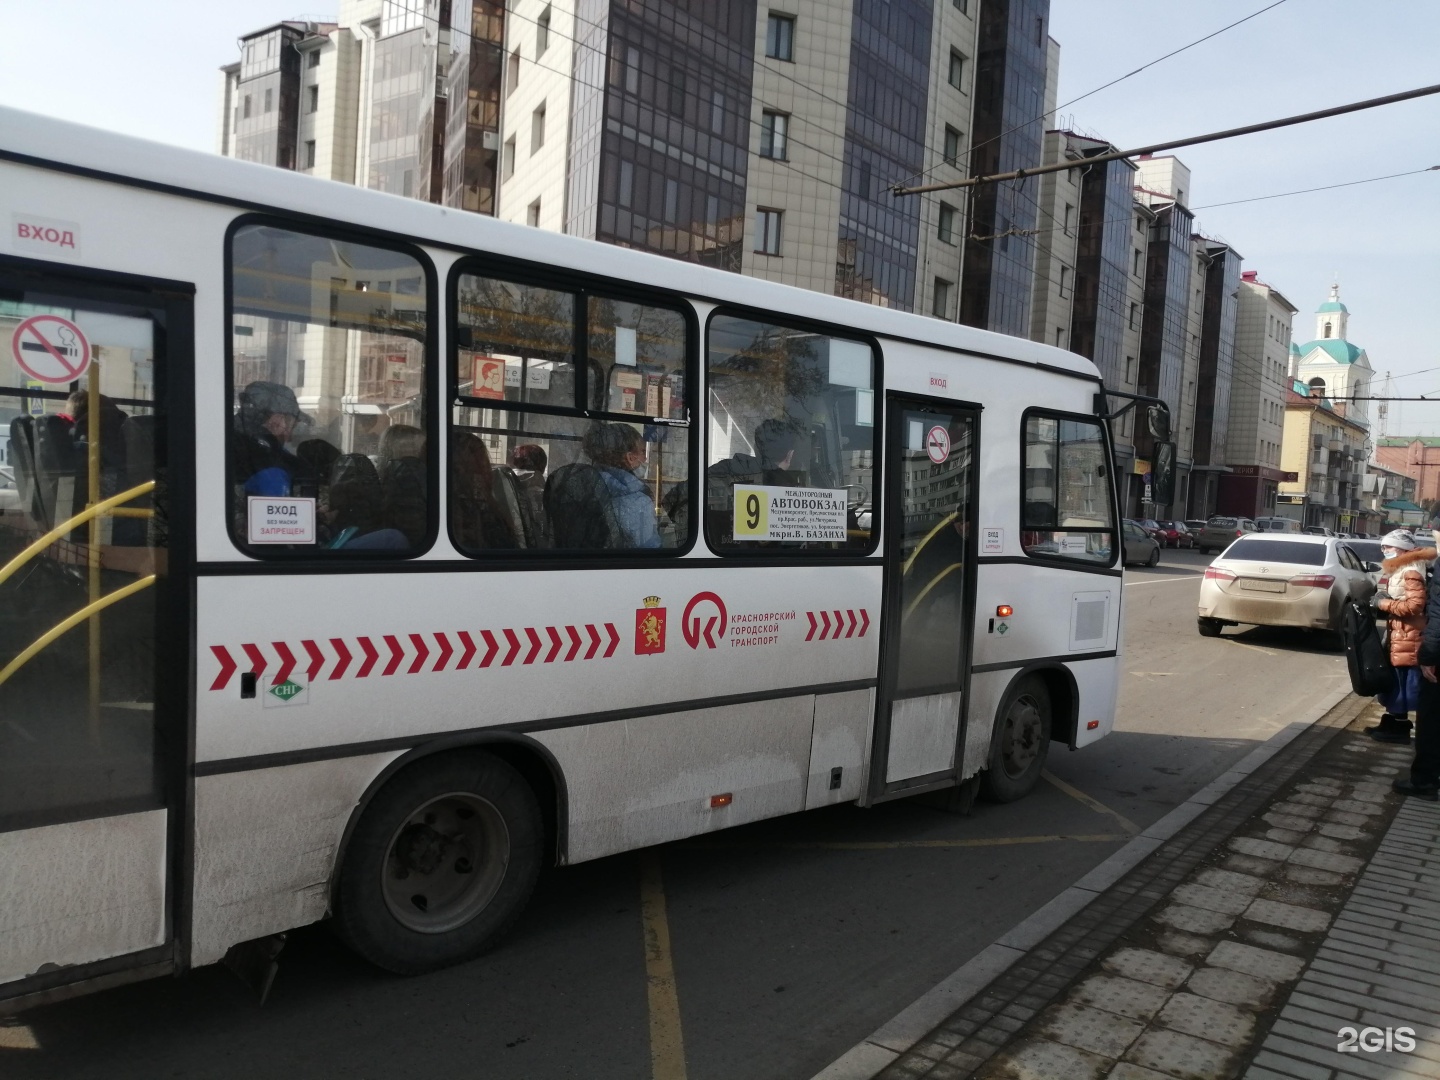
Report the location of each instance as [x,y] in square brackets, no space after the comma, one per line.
[440,864]
[1022,739]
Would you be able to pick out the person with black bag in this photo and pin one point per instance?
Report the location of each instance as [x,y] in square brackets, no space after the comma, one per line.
[1424,779]
[1402,603]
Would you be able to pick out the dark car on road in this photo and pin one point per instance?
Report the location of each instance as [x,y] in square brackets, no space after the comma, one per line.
[1175,534]
[1139,545]
[1220,532]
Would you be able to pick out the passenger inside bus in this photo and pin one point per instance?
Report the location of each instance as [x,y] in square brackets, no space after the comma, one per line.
[259,460]
[481,506]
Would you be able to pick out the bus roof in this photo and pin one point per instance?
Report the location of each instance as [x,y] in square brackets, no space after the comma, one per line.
[40,140]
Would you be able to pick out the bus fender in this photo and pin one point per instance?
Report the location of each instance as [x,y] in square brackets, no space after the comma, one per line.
[1064,699]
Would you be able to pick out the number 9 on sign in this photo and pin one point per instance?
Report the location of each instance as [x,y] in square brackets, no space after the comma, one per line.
[752,513]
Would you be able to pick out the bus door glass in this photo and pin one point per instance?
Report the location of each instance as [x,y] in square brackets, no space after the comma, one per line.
[929,570]
[84,762]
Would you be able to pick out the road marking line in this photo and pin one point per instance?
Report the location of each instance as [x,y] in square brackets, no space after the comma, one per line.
[887,845]
[667,1046]
[1257,648]
[1094,804]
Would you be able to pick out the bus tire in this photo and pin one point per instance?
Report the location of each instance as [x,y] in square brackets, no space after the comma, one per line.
[440,864]
[1022,739]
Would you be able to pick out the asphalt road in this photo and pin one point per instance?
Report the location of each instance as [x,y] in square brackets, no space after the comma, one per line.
[772,948]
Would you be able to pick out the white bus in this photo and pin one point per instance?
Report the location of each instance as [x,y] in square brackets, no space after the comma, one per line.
[369,555]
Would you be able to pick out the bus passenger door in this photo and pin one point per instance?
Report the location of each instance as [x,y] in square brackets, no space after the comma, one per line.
[929,591]
[94,661]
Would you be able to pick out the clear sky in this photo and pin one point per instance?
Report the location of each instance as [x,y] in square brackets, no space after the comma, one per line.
[150,69]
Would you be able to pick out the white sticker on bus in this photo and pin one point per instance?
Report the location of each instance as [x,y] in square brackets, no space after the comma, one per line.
[281,520]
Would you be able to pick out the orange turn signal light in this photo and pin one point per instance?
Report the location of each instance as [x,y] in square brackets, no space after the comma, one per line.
[717,801]
[1004,611]
[1091,725]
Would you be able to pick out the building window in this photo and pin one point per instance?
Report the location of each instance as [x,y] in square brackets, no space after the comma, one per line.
[962,6]
[780,37]
[952,146]
[1138,262]
[542,31]
[632,70]
[677,91]
[1059,337]
[717,112]
[1327,325]
[767,231]
[312,99]
[773,128]
[946,231]
[537,128]
[1134,316]
[246,112]
[313,58]
[507,163]
[1139,224]
[532,214]
[957,69]
[672,200]
[627,183]
[1069,214]
[512,73]
[940,304]
[269,104]
[864,180]
[1129,370]
[310,154]
[1064,282]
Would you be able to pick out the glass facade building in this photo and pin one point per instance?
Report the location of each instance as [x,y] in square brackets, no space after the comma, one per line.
[879,235]
[1217,353]
[1102,266]
[472,122]
[1163,327]
[1008,134]
[658,160]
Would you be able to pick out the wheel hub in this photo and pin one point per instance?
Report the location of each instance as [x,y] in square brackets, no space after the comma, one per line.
[1020,740]
[445,863]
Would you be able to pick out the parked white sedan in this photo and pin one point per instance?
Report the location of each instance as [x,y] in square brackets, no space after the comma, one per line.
[1282,579]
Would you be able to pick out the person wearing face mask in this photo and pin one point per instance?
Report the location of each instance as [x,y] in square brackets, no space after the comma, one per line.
[1403,605]
[618,453]
[1424,779]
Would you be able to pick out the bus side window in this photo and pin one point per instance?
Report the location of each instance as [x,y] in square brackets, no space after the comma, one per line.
[328,449]
[574,405]
[792,439]
[1066,506]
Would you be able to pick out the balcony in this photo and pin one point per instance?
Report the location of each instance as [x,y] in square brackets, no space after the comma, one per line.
[1335,444]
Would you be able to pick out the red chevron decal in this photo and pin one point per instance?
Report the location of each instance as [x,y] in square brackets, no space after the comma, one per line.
[371,655]
[344,657]
[864,621]
[227,666]
[317,659]
[468,653]
[287,662]
[491,647]
[397,653]
[594,641]
[446,651]
[421,653]
[839,623]
[825,628]
[514,648]
[813,624]
[257,659]
[615,640]
[534,645]
[851,631]
[574,643]
[555,644]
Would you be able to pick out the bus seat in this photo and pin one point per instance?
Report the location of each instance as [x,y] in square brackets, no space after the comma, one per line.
[577,502]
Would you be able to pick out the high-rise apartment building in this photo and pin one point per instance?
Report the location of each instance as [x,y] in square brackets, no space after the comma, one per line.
[1217,286]
[397,95]
[725,132]
[1257,401]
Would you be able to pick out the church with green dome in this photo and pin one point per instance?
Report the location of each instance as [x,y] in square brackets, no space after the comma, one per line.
[1331,366]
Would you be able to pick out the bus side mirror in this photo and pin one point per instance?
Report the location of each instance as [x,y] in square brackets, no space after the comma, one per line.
[1164,473]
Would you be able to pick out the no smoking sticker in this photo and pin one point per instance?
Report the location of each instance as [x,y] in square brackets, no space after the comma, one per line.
[937,444]
[51,349]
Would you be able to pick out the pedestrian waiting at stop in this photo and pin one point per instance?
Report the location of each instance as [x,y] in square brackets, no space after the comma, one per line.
[1403,605]
[1424,779]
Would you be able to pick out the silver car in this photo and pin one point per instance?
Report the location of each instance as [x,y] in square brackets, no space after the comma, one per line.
[1283,579]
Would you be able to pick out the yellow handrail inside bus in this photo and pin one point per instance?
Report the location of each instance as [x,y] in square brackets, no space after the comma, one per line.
[85,515]
[72,622]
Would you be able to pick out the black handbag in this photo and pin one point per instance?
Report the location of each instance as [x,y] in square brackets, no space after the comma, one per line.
[1365,654]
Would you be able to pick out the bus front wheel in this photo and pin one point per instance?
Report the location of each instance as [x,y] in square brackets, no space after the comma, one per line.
[1022,739]
[440,864]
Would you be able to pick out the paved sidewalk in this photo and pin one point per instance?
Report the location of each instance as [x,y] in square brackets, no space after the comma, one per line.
[1304,901]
